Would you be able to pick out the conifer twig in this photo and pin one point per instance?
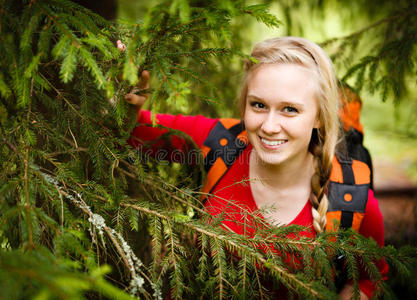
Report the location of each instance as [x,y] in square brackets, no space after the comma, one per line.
[62,96]
[26,180]
[259,283]
[85,209]
[160,189]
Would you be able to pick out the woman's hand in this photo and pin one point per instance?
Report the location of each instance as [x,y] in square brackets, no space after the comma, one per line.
[136,98]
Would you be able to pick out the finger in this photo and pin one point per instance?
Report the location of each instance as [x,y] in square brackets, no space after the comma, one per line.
[135,99]
[144,80]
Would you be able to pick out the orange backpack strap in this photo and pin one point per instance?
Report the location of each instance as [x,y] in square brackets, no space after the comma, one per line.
[225,142]
[347,194]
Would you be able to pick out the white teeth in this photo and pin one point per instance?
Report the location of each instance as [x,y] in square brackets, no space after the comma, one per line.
[272,143]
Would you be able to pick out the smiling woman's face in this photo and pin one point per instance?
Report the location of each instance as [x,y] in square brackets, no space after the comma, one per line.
[281,111]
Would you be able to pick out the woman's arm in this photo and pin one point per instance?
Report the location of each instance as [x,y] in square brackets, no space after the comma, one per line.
[196,127]
[158,141]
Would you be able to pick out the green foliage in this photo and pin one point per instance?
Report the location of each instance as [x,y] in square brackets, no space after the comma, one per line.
[40,275]
[84,216]
[380,54]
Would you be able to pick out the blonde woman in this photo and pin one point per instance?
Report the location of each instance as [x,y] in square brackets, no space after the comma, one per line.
[284,147]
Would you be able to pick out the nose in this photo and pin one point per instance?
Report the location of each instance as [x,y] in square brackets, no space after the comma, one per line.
[271,124]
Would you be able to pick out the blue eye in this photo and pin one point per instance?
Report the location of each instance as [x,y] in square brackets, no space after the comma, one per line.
[257,105]
[290,109]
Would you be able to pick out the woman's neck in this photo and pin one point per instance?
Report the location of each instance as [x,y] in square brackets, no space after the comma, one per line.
[283,176]
[282,190]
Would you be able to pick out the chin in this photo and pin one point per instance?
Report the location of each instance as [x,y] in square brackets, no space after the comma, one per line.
[269,158]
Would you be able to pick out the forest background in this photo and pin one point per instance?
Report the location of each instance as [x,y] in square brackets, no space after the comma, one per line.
[74,202]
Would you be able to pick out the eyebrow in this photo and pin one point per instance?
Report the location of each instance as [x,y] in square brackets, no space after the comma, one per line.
[254,97]
[298,104]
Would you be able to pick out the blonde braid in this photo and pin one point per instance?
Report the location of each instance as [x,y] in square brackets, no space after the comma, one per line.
[319,182]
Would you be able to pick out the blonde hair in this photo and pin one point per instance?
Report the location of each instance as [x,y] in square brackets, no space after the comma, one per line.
[303,52]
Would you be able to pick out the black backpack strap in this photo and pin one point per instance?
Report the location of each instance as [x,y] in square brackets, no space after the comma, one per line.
[346,218]
[347,170]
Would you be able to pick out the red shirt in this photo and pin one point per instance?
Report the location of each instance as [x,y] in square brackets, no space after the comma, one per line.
[232,194]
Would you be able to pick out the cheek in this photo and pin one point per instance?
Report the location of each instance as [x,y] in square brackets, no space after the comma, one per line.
[252,121]
[300,127]
[252,126]
[311,120]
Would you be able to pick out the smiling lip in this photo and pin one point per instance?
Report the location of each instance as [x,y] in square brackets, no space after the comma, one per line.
[272,144]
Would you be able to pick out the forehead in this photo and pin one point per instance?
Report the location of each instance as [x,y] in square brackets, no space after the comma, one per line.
[289,82]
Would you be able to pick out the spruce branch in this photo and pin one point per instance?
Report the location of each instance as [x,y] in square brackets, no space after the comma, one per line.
[132,263]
